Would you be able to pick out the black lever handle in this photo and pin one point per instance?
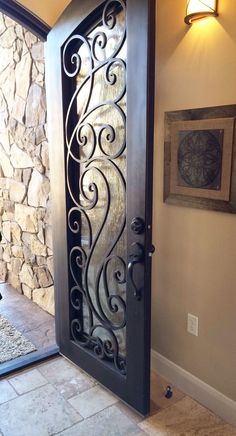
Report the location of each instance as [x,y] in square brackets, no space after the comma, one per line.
[133,260]
[152,250]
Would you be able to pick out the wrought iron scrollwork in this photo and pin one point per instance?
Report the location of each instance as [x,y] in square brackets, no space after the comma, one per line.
[95,145]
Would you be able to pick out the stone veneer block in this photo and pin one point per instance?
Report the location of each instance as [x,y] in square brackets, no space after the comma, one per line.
[28,256]
[40,137]
[24,163]
[26,175]
[44,297]
[5,58]
[26,217]
[17,251]
[35,111]
[27,291]
[17,191]
[48,236]
[14,281]
[23,70]
[3,271]
[2,25]
[7,253]
[38,165]
[37,247]
[50,265]
[16,265]
[5,163]
[30,39]
[39,189]
[6,230]
[19,158]
[41,232]
[45,156]
[16,233]
[18,111]
[9,38]
[44,277]
[27,276]
[9,91]
[38,52]
[5,141]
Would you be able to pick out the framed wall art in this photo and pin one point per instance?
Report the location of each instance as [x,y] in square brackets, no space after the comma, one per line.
[200,149]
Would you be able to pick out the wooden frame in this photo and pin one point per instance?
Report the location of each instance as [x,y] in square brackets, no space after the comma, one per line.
[209,182]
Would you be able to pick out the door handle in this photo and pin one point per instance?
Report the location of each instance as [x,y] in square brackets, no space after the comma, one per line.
[134,259]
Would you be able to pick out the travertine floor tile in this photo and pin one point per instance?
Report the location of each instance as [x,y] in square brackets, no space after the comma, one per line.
[7,392]
[68,379]
[38,413]
[158,390]
[59,369]
[92,401]
[186,418]
[109,422]
[134,416]
[58,407]
[27,381]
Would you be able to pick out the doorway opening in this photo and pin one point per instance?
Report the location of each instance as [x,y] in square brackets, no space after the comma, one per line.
[27,330]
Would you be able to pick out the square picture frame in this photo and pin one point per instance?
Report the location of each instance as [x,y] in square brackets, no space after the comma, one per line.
[199,158]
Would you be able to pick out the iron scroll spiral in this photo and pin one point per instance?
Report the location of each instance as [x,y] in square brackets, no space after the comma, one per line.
[94,146]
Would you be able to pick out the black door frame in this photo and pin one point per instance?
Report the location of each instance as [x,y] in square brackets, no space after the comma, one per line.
[40,29]
[139,120]
[24,17]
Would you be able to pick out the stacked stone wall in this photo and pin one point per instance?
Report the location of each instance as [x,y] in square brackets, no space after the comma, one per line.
[25,218]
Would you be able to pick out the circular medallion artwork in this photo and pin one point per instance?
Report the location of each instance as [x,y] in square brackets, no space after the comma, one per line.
[200,159]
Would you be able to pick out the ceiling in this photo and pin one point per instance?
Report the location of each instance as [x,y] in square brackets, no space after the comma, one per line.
[47,10]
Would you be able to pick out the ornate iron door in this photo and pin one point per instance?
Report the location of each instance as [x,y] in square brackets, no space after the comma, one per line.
[99,83]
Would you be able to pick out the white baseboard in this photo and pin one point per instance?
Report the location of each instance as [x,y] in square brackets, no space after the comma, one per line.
[195,388]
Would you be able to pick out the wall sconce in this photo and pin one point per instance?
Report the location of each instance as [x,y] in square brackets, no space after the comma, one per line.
[197,9]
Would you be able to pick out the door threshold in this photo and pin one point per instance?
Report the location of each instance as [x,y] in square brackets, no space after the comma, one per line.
[28,360]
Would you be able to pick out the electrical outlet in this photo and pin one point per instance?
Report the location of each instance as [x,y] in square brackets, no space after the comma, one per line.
[192,326]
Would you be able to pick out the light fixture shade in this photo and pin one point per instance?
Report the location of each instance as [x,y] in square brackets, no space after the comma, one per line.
[197,9]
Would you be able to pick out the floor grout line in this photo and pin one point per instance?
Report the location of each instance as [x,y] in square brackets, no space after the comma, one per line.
[32,390]
[115,405]
[67,428]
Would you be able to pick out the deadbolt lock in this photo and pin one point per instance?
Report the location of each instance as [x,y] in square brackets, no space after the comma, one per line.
[138,225]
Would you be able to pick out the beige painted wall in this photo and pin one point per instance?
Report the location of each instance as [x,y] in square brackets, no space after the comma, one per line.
[47,10]
[194,268]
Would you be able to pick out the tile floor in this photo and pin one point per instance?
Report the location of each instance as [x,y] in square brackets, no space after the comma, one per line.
[55,397]
[28,318]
